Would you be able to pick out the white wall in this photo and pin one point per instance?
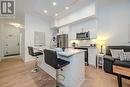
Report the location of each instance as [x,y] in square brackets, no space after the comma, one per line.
[32,24]
[113,18]
[0,42]
[22,43]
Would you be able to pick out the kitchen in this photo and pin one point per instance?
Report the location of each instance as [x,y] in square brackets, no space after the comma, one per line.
[78,42]
[88,43]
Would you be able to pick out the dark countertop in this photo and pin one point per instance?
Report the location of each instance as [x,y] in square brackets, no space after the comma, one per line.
[83,47]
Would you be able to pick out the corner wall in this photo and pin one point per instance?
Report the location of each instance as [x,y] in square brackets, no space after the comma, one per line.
[32,24]
[113,19]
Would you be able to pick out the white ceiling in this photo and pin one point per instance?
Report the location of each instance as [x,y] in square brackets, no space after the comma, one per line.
[37,7]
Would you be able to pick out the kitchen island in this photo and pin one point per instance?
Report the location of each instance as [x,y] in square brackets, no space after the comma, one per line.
[74,73]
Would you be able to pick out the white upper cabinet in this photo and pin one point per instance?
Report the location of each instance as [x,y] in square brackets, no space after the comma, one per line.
[64,30]
[73,36]
[89,25]
[93,33]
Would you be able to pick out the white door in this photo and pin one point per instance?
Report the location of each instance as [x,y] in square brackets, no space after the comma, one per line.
[12,45]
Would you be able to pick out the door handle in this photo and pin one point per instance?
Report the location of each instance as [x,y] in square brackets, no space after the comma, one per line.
[18,44]
[6,52]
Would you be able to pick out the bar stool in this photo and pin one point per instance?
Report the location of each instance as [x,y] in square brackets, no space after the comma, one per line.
[57,63]
[35,55]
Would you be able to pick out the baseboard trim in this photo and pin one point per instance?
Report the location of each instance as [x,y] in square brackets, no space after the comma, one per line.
[11,55]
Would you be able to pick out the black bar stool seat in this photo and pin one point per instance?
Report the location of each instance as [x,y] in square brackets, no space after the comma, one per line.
[57,63]
[34,54]
[61,63]
[37,54]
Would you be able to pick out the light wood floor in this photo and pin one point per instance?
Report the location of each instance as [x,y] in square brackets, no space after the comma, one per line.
[15,73]
[98,78]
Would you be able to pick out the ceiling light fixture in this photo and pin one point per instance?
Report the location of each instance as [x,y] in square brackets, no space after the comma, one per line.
[66,8]
[45,11]
[56,14]
[16,25]
[54,3]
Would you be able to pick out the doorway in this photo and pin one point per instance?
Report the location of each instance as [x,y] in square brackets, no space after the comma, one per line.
[11,41]
[12,45]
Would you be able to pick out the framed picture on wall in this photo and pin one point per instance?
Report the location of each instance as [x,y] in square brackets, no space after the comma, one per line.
[39,38]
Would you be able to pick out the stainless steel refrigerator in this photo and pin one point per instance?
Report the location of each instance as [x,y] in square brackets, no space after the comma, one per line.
[62,41]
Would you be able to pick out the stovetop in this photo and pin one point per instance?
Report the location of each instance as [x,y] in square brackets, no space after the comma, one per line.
[83,47]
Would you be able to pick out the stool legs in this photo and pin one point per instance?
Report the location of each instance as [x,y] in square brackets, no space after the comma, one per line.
[57,78]
[58,84]
[119,81]
[35,69]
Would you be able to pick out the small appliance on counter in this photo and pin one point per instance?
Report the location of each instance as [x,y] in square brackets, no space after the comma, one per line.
[73,44]
[93,45]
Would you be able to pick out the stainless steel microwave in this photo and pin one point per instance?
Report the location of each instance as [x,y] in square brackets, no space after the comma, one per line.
[83,36]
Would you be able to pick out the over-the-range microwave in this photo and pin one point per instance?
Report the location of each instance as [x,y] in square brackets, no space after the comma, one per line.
[83,36]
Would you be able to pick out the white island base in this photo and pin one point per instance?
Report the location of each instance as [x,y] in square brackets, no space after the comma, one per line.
[74,72]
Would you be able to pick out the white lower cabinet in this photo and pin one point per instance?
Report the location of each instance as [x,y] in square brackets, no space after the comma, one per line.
[92,56]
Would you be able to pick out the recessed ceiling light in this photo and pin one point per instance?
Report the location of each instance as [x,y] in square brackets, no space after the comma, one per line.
[56,14]
[45,11]
[66,8]
[54,3]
